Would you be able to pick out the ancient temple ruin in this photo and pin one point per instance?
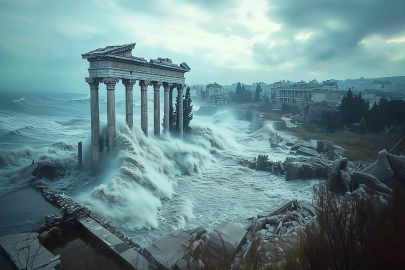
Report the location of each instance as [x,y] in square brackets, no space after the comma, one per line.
[110,64]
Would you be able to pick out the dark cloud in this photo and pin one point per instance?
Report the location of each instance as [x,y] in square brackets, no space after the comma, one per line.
[361,17]
[338,28]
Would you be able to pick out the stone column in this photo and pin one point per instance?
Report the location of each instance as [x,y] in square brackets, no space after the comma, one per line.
[180,112]
[144,105]
[95,118]
[167,87]
[110,83]
[129,101]
[171,97]
[156,108]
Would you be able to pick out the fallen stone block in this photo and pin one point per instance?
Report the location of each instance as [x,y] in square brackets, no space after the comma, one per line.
[283,230]
[306,151]
[25,250]
[168,249]
[381,168]
[197,231]
[371,182]
[373,192]
[295,147]
[279,125]
[227,238]
[310,208]
[276,209]
[112,243]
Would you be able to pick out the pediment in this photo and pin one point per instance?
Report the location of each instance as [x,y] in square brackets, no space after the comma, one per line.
[119,50]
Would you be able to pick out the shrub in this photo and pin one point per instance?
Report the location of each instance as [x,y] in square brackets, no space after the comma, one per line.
[354,234]
[289,108]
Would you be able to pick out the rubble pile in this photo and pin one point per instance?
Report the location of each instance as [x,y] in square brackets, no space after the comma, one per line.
[263,164]
[378,179]
[276,229]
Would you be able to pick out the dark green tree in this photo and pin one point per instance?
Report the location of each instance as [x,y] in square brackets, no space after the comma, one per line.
[266,99]
[363,125]
[176,123]
[257,93]
[187,111]
[353,108]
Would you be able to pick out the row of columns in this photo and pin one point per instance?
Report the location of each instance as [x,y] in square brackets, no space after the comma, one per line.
[129,85]
[292,93]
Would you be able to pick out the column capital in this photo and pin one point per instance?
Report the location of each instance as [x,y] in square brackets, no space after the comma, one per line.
[167,86]
[144,85]
[180,87]
[128,82]
[110,82]
[93,82]
[156,85]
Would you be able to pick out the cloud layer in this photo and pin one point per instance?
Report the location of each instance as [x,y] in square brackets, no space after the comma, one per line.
[223,41]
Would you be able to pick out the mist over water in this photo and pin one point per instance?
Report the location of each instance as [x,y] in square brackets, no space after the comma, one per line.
[146,186]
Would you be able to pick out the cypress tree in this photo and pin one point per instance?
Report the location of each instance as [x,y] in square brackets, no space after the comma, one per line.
[187,111]
[257,93]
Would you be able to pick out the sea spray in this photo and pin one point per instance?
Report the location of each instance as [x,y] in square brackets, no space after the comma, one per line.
[144,174]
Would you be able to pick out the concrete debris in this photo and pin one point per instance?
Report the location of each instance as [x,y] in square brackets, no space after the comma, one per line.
[168,249]
[279,125]
[263,164]
[226,238]
[306,168]
[276,209]
[381,169]
[306,151]
[26,252]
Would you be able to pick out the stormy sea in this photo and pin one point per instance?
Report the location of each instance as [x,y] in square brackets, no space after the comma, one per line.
[147,186]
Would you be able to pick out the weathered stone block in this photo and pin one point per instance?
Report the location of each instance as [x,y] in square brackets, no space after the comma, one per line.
[226,238]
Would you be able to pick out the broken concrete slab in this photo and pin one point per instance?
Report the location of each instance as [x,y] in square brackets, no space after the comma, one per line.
[226,236]
[310,208]
[197,231]
[276,209]
[306,151]
[381,168]
[371,182]
[123,251]
[180,265]
[134,259]
[25,251]
[169,248]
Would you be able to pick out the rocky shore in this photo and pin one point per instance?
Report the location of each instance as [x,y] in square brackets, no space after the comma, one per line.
[268,234]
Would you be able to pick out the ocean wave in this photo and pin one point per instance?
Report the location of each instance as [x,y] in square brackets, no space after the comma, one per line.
[85,99]
[132,194]
[19,100]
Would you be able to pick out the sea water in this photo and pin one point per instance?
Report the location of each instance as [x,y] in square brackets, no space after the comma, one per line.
[146,186]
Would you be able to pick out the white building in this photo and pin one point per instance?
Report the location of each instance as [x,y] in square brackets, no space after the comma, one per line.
[329,86]
[213,89]
[293,93]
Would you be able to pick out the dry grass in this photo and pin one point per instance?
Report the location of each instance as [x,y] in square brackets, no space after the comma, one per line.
[206,261]
[366,146]
[353,234]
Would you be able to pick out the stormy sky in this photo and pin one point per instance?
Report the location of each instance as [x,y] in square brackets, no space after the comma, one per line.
[224,41]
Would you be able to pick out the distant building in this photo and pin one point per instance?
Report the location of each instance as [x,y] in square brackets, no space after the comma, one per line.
[293,93]
[214,94]
[213,89]
[329,86]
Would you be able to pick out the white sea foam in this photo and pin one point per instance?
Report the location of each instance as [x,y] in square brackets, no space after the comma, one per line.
[132,193]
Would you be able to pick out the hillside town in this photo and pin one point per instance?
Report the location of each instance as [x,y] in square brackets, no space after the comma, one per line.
[285,91]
